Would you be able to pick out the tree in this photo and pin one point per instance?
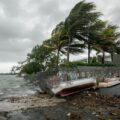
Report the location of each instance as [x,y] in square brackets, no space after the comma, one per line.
[117,47]
[31,68]
[36,60]
[58,41]
[108,41]
[80,22]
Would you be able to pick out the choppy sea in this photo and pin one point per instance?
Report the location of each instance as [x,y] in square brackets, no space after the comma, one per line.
[11,85]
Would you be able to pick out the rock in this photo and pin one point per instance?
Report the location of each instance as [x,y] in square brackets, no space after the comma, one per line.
[94,113]
[68,114]
[89,95]
[97,115]
[74,104]
[101,118]
[75,116]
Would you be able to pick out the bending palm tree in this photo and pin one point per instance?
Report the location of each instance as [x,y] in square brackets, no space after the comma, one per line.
[58,40]
[108,41]
[80,22]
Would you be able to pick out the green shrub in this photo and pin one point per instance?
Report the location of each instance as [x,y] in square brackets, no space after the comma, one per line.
[75,64]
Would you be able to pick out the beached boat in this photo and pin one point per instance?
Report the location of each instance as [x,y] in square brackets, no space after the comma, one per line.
[70,87]
[109,82]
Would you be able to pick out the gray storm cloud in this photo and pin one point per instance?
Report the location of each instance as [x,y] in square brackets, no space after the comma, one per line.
[25,23]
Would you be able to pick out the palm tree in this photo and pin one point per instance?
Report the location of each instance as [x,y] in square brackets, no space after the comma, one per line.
[58,40]
[113,36]
[80,22]
[117,47]
[108,41]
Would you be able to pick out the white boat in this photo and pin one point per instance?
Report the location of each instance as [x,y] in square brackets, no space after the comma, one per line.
[109,82]
[70,87]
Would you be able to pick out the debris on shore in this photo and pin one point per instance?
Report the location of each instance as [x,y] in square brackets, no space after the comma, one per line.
[83,106]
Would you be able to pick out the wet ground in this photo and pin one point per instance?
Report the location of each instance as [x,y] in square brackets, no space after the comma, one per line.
[84,106]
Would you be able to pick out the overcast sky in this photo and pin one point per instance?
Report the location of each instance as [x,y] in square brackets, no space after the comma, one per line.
[25,23]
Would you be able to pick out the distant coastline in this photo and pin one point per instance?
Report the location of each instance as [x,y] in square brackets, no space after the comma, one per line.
[7,74]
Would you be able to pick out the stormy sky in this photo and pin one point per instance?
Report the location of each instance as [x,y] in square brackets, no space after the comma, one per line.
[25,23]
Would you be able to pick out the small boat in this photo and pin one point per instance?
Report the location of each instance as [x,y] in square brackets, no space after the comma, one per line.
[74,86]
[109,82]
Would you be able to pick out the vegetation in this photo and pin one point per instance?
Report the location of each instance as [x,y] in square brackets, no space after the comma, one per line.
[77,64]
[81,30]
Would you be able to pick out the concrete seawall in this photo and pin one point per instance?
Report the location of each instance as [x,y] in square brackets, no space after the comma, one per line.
[45,79]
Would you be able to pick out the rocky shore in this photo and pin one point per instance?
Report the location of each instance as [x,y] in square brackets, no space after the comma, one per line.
[87,105]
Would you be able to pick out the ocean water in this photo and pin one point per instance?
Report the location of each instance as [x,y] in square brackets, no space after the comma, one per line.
[11,85]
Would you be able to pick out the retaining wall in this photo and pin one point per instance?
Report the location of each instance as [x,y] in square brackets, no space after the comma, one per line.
[47,80]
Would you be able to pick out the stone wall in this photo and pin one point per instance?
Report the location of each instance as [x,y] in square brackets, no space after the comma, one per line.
[116,59]
[88,71]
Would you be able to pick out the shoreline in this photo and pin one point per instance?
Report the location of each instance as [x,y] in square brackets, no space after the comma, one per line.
[82,106]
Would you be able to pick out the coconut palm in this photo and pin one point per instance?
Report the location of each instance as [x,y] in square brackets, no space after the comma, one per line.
[79,23]
[58,40]
[108,41]
[117,47]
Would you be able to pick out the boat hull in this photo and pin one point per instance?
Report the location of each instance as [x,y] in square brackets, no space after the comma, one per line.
[75,89]
[66,88]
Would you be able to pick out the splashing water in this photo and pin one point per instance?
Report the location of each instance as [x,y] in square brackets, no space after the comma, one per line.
[10,85]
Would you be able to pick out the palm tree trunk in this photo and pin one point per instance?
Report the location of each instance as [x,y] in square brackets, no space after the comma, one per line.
[112,52]
[58,52]
[68,54]
[68,50]
[111,56]
[89,50]
[103,58]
